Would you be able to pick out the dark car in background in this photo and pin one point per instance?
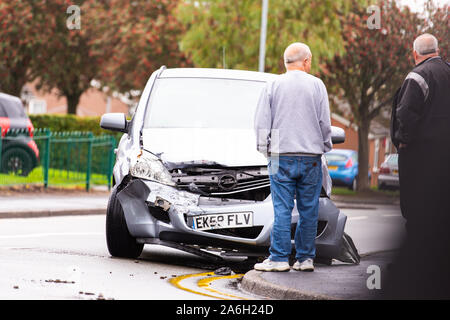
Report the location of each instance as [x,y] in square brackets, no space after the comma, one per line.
[388,174]
[19,152]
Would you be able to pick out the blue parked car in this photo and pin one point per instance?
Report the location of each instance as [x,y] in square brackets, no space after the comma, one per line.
[343,167]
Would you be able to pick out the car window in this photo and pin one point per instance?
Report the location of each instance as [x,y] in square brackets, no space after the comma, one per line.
[335,157]
[11,109]
[2,111]
[203,103]
[355,157]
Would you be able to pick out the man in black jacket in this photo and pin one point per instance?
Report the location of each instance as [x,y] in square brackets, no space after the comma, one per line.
[420,129]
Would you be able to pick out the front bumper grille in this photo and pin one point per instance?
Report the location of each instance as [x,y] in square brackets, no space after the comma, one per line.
[246,232]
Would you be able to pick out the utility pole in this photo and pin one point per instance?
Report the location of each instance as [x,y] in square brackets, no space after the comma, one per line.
[262,42]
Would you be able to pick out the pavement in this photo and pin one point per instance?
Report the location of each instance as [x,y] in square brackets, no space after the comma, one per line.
[340,281]
[336,281]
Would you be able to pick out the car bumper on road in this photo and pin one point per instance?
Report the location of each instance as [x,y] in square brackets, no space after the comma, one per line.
[156,211]
[388,180]
[342,177]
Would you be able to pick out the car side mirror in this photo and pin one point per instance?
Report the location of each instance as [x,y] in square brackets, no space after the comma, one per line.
[337,135]
[114,122]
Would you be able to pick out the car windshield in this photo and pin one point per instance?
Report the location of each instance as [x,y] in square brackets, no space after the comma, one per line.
[203,103]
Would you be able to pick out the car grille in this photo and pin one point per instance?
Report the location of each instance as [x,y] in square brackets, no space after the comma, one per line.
[158,213]
[246,232]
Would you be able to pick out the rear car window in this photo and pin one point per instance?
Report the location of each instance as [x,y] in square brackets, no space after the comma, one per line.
[393,158]
[2,111]
[335,157]
[11,109]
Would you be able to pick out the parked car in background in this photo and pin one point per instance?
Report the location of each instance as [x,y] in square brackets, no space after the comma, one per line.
[343,167]
[19,152]
[388,174]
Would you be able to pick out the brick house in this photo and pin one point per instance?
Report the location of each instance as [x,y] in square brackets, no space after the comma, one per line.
[93,102]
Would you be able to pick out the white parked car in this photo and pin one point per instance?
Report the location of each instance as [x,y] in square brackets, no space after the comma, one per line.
[188,175]
[388,174]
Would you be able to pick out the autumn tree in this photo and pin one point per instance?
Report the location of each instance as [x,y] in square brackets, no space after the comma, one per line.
[374,65]
[21,36]
[437,23]
[146,35]
[73,56]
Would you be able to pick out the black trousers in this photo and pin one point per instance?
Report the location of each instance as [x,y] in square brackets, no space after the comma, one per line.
[421,269]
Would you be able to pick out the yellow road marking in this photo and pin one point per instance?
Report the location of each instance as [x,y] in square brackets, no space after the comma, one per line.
[205,283]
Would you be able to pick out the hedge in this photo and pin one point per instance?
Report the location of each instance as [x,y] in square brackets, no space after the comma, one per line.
[69,122]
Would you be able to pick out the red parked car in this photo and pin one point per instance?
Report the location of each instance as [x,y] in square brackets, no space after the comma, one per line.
[19,152]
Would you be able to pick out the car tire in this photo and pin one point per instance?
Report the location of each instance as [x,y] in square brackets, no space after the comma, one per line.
[17,161]
[118,239]
[354,185]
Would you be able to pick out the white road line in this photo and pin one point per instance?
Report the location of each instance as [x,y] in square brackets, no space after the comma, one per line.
[40,235]
[392,215]
[358,218]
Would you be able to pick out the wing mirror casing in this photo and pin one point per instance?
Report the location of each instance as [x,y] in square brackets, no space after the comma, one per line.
[337,135]
[114,122]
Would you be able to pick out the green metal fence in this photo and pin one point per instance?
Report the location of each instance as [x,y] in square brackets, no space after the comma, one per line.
[65,158]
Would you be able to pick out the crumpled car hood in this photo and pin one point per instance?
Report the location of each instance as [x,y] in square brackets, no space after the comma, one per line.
[228,147]
[224,146]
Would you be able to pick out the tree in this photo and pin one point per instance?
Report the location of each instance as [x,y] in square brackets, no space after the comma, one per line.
[72,57]
[145,35]
[373,66]
[20,40]
[438,24]
[228,30]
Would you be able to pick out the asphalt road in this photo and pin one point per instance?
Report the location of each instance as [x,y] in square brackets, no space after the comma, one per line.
[66,258]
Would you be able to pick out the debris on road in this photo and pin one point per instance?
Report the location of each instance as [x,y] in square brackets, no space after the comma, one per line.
[224,271]
[59,281]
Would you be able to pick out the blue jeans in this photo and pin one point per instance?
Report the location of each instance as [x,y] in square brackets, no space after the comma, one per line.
[300,178]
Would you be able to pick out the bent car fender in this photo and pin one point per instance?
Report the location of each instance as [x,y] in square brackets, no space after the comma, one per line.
[132,198]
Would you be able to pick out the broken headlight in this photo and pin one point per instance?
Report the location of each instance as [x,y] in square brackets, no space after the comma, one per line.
[150,167]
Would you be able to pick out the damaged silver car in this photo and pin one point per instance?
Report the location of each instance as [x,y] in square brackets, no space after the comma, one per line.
[188,175]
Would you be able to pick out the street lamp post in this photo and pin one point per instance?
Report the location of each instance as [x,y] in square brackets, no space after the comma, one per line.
[262,43]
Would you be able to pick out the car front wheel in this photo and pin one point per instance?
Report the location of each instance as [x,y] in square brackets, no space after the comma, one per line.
[118,239]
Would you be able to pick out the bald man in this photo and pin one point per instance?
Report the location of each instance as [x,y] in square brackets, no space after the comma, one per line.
[420,129]
[293,129]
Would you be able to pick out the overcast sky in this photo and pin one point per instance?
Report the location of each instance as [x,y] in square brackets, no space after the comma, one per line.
[418,5]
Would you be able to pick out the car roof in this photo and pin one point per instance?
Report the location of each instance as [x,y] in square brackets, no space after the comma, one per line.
[217,73]
[9,98]
[342,151]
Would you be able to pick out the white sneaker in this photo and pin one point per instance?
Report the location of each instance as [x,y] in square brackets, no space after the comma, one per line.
[269,265]
[306,265]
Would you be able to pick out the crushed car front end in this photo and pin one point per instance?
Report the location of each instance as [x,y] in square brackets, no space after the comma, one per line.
[188,175]
[212,206]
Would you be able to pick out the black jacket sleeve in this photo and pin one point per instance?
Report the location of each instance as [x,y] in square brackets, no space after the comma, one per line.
[410,108]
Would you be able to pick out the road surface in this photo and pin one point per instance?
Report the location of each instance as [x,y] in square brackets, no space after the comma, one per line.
[66,258]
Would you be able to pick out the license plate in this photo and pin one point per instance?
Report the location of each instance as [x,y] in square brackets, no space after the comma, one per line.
[223,220]
[332,167]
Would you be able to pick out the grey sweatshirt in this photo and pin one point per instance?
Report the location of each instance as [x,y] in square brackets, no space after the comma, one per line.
[293,116]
